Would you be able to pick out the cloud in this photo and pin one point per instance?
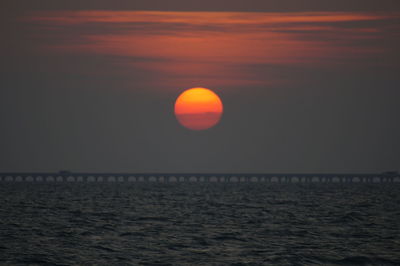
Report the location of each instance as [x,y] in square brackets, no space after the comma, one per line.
[206,5]
[214,47]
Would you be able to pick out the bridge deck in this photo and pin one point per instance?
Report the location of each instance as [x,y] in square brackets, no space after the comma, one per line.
[197,177]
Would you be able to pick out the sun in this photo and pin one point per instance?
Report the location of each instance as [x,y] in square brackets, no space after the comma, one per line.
[198,108]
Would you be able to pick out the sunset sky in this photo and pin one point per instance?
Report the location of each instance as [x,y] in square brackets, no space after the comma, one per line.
[307,86]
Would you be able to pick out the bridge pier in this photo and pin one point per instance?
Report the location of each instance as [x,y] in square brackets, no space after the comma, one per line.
[253,178]
[388,179]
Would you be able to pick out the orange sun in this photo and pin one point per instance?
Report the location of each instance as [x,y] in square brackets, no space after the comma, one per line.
[198,109]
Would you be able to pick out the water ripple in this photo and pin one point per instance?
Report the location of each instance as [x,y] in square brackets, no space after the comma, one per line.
[199,224]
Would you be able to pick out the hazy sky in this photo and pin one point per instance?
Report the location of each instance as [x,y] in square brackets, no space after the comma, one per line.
[307,86]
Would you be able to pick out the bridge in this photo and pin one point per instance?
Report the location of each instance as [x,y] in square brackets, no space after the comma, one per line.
[66,176]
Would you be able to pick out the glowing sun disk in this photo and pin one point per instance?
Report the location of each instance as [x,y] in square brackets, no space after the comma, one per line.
[198,109]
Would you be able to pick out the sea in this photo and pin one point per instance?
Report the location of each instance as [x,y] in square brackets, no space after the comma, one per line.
[199,224]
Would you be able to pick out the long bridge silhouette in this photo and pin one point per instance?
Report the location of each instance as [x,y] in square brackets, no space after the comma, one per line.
[66,176]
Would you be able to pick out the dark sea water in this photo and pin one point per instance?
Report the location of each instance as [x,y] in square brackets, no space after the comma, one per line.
[199,224]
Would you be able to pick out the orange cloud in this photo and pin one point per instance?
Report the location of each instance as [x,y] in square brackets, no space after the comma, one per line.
[208,46]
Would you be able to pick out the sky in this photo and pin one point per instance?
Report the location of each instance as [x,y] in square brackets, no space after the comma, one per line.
[307,86]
